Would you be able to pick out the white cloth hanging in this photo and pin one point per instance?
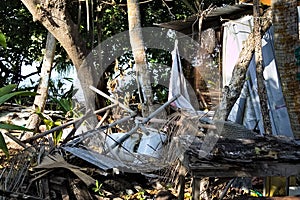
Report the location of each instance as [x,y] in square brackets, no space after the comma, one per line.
[178,84]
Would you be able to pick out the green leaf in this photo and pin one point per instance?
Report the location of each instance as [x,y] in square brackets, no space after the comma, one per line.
[49,123]
[57,136]
[65,104]
[13,127]
[6,97]
[7,89]
[2,40]
[57,123]
[3,145]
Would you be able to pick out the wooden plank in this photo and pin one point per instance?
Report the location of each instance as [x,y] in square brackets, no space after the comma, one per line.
[196,188]
[249,170]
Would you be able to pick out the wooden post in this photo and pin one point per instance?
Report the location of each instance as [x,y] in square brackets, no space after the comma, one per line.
[196,188]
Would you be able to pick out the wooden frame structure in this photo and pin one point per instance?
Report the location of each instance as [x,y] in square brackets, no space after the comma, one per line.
[264,156]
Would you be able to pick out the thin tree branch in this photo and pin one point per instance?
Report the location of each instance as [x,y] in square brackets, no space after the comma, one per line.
[114,3]
[169,9]
[189,6]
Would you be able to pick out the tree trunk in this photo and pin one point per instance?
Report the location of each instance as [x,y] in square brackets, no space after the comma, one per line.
[233,91]
[262,92]
[54,17]
[138,50]
[286,39]
[40,100]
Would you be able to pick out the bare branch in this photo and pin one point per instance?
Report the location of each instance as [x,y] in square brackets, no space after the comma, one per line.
[123,4]
[169,9]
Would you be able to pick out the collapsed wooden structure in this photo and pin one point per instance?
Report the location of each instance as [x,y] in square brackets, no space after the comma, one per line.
[234,152]
[260,156]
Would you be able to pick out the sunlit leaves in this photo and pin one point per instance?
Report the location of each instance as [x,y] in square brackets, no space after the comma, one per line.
[2,40]
[3,146]
[7,93]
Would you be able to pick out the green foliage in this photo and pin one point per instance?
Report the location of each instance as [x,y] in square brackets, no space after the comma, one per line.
[158,12]
[98,189]
[25,41]
[141,195]
[12,127]
[57,88]
[7,89]
[62,98]
[51,124]
[6,94]
[56,134]
[3,145]
[113,21]
[2,40]
[64,104]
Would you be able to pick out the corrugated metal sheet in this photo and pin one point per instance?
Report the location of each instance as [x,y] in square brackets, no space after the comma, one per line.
[213,19]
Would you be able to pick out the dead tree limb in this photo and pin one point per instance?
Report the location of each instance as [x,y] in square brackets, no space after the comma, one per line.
[261,88]
[233,91]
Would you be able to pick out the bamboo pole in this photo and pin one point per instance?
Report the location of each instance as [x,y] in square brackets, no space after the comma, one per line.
[111,99]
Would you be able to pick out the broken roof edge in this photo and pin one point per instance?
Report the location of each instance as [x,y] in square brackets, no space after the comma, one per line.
[213,19]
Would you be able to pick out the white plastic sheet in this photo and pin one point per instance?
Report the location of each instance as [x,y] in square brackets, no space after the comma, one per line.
[178,83]
[247,109]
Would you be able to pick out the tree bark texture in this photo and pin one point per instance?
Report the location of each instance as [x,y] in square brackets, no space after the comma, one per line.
[138,50]
[53,15]
[232,92]
[286,39]
[42,90]
[261,88]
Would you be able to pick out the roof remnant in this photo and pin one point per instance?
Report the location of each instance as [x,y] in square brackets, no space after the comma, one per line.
[214,19]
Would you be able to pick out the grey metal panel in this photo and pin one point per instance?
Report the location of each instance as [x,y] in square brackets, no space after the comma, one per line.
[101,161]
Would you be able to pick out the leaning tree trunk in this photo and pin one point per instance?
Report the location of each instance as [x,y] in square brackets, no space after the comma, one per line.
[262,92]
[53,15]
[233,90]
[138,50]
[286,37]
[42,90]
